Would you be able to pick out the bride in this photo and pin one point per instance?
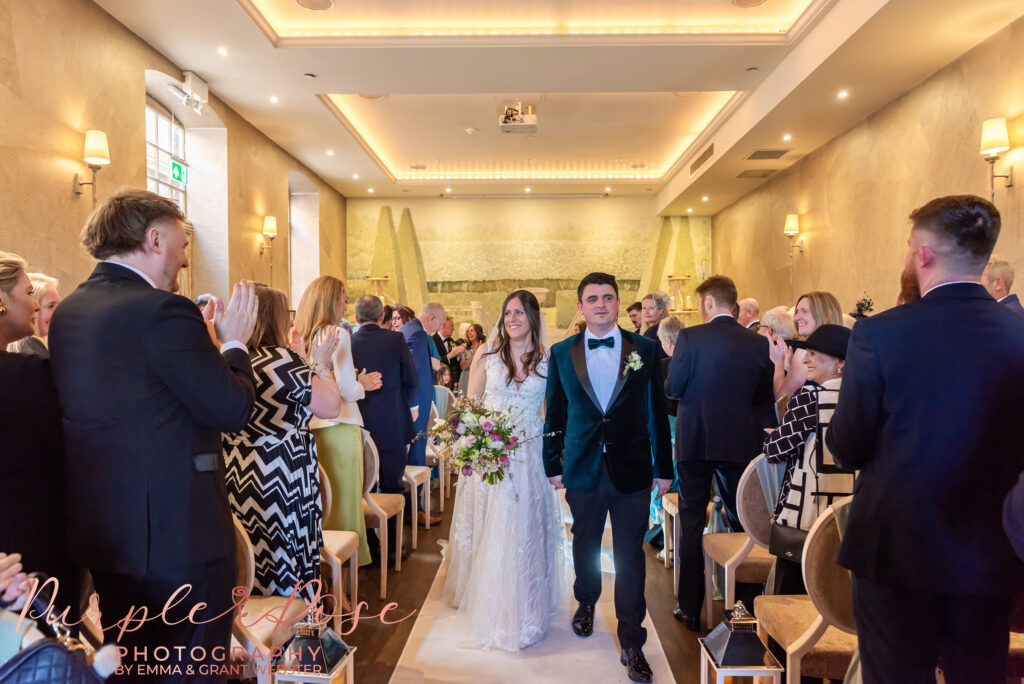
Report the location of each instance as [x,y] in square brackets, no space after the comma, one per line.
[506,551]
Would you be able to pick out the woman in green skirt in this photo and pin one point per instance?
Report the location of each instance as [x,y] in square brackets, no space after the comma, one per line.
[338,441]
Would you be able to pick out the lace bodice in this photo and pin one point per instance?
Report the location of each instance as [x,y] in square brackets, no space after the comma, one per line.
[526,398]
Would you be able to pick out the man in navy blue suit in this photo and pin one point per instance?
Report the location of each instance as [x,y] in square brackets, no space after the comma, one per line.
[930,411]
[386,411]
[998,279]
[417,334]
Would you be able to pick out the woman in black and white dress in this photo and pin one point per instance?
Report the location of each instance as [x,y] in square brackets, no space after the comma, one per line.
[813,480]
[272,478]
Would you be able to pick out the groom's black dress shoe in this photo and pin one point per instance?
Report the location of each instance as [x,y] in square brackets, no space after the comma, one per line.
[583,620]
[637,668]
[691,623]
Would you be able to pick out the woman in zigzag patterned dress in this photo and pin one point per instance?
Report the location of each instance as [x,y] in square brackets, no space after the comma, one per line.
[272,479]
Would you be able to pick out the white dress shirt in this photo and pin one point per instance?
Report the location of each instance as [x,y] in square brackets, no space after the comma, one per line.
[603,364]
[233,344]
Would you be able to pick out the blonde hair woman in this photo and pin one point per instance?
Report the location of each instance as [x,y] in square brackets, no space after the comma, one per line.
[812,310]
[44,291]
[32,458]
[339,442]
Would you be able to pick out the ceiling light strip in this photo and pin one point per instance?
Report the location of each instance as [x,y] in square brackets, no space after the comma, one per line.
[354,132]
[549,195]
[531,40]
[262,23]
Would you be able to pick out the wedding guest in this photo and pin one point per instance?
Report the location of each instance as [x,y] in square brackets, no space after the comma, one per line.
[655,307]
[44,291]
[474,339]
[443,377]
[401,315]
[721,376]
[386,412]
[138,374]
[777,322]
[668,333]
[272,478]
[634,311]
[930,412]
[339,440]
[749,314]
[998,279]
[449,350]
[812,481]
[32,500]
[417,334]
[812,309]
[388,314]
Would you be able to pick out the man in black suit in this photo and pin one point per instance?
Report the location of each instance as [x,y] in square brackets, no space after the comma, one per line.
[998,279]
[386,411]
[930,411]
[721,375]
[448,349]
[750,314]
[146,395]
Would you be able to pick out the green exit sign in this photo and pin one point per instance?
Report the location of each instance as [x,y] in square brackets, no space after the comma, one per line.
[179,173]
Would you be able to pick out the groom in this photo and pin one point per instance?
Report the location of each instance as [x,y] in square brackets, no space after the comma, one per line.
[607,443]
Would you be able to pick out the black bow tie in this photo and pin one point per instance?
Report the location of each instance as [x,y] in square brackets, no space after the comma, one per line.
[603,342]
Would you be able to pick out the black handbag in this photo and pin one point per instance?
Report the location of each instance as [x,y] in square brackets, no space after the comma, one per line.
[785,542]
[57,659]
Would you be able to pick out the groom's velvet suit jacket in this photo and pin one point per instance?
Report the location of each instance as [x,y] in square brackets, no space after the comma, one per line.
[632,435]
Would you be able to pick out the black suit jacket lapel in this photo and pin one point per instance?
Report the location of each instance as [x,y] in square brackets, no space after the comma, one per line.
[628,347]
[579,363]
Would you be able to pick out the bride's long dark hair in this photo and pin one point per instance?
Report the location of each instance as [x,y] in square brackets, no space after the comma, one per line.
[503,344]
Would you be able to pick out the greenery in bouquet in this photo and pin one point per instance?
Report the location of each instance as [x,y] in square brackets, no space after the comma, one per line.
[481,440]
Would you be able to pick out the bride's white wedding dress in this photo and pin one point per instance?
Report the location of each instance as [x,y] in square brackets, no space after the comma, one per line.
[506,550]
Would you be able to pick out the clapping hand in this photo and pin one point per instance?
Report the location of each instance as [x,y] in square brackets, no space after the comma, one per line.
[324,343]
[369,381]
[13,584]
[236,323]
[777,350]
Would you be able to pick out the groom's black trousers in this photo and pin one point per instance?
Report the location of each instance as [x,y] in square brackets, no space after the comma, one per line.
[629,513]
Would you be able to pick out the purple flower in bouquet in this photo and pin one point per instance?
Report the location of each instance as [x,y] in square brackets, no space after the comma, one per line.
[454,420]
[488,426]
[461,429]
[514,440]
[467,471]
[495,436]
[504,461]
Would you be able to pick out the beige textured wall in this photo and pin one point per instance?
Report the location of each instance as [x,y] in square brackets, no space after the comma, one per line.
[509,239]
[66,66]
[855,193]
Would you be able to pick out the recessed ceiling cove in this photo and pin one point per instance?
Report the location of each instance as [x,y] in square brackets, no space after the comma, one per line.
[286,20]
[586,136]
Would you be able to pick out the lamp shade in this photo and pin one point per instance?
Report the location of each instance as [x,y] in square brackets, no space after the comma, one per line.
[96,151]
[994,138]
[792,224]
[270,226]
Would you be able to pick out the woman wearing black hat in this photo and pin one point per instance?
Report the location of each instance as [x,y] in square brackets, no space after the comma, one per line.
[812,481]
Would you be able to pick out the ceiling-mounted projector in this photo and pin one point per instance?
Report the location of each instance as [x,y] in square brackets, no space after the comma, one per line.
[518,118]
[193,92]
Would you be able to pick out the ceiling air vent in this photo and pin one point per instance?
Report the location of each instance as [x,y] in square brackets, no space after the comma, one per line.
[702,159]
[756,173]
[761,155]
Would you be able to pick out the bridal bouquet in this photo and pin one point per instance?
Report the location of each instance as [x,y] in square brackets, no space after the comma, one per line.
[481,440]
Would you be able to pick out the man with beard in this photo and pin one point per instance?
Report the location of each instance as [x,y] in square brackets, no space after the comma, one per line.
[931,401]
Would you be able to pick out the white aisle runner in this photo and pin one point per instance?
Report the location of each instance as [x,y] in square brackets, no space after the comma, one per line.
[432,654]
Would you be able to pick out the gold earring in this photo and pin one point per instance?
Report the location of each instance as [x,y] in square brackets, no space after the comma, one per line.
[3,310]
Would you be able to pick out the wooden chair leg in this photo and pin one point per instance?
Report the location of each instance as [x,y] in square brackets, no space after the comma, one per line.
[415,509]
[709,571]
[666,532]
[353,579]
[799,648]
[398,540]
[339,592]
[426,503]
[384,554]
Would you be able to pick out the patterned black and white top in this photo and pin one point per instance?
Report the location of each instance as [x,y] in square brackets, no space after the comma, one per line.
[272,479]
[813,480]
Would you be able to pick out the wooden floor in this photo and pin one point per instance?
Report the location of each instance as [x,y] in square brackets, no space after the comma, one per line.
[380,645]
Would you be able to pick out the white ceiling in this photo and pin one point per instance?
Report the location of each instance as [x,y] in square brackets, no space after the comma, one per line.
[601,97]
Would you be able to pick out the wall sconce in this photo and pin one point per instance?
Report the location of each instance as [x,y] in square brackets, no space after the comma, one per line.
[267,243]
[791,230]
[97,155]
[995,141]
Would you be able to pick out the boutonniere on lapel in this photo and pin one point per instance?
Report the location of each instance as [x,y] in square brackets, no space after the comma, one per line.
[633,362]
